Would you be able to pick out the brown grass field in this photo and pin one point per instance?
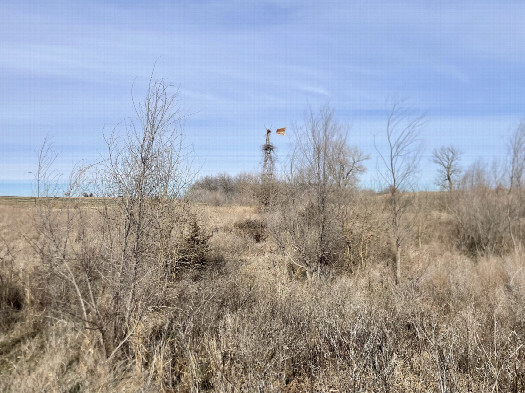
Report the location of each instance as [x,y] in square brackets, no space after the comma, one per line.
[250,321]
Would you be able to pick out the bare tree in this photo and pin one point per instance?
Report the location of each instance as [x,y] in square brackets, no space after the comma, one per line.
[147,172]
[115,266]
[398,165]
[45,177]
[323,171]
[447,158]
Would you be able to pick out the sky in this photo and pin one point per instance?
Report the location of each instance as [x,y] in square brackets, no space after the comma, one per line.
[67,69]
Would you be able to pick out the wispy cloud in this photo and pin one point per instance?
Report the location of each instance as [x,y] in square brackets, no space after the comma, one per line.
[67,67]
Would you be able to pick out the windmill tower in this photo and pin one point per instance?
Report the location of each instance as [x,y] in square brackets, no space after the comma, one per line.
[268,160]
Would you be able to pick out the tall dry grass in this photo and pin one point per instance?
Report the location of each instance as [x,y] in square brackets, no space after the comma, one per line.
[249,323]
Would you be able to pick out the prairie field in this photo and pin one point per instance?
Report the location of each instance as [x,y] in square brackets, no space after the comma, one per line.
[244,316]
[143,277]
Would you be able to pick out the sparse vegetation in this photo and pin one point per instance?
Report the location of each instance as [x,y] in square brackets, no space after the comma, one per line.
[153,285]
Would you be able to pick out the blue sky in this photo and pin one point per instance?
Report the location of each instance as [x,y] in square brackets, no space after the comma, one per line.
[67,68]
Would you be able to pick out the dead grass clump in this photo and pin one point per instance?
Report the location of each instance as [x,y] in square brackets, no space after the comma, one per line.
[11,302]
[12,297]
[365,235]
[464,315]
[56,356]
[252,228]
[231,246]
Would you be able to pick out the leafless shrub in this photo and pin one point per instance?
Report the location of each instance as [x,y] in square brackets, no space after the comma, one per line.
[224,189]
[480,212]
[489,204]
[106,266]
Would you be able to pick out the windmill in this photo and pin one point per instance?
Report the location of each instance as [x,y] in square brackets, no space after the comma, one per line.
[268,161]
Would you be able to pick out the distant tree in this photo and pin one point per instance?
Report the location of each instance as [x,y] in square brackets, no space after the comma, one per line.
[398,165]
[447,158]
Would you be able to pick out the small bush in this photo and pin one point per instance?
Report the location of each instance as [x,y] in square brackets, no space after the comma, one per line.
[224,189]
[194,249]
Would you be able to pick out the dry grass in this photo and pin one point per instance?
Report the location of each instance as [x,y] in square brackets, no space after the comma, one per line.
[454,324]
